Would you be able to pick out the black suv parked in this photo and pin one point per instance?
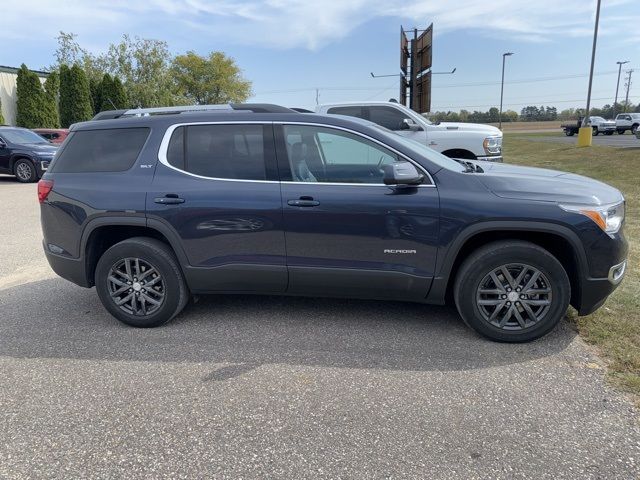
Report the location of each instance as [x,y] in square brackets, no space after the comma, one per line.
[261,199]
[24,153]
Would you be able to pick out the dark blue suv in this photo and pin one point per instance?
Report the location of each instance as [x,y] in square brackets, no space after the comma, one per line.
[153,206]
[24,153]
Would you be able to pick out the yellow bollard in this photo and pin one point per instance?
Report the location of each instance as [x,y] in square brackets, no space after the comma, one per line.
[585,135]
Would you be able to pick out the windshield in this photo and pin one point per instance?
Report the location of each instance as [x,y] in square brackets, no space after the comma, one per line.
[597,119]
[425,120]
[423,150]
[22,136]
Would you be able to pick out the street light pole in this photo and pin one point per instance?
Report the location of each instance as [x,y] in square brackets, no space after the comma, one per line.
[504,56]
[615,102]
[584,134]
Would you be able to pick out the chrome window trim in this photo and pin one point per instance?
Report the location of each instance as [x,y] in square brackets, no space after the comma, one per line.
[164,146]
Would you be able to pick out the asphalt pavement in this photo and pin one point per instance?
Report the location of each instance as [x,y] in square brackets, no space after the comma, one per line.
[620,141]
[276,387]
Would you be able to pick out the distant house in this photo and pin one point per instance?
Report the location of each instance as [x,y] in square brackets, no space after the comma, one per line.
[8,95]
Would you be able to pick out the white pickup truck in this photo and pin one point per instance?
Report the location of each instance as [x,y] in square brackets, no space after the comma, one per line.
[627,121]
[471,141]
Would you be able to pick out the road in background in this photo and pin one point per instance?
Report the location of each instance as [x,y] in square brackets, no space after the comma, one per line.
[615,140]
[264,387]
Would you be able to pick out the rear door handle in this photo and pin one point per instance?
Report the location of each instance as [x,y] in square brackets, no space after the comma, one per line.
[303,202]
[169,199]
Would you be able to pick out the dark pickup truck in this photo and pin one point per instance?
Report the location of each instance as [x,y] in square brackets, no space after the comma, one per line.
[598,125]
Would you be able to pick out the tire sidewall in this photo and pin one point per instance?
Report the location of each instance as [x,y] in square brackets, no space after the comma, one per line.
[467,288]
[173,287]
[32,168]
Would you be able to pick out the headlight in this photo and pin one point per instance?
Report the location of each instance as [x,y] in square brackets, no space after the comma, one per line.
[492,145]
[608,217]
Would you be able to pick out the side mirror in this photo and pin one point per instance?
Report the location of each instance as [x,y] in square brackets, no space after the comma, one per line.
[408,124]
[402,173]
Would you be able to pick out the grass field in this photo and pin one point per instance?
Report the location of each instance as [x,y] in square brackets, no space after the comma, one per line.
[530,126]
[615,328]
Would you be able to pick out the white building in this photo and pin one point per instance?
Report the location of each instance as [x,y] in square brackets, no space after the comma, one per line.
[8,95]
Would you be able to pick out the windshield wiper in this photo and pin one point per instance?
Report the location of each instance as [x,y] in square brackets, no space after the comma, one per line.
[469,167]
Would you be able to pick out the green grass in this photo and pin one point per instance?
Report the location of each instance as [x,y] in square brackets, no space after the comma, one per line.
[615,328]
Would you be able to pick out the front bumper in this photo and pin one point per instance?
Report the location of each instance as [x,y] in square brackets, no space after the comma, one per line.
[491,158]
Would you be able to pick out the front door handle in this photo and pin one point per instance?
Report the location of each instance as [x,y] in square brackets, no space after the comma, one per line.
[169,199]
[303,202]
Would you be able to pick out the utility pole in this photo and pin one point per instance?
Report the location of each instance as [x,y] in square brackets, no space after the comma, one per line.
[584,134]
[628,85]
[615,102]
[504,56]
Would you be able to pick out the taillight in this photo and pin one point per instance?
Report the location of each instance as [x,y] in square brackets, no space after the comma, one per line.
[44,187]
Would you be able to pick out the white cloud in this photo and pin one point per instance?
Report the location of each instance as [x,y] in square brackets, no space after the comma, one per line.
[305,23]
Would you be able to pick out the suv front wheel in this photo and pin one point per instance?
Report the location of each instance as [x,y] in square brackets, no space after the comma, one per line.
[25,171]
[512,291]
[140,282]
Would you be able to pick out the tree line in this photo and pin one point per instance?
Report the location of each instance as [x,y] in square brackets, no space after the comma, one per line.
[530,113]
[134,73]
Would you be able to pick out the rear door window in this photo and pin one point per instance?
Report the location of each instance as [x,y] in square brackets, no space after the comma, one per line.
[235,152]
[351,111]
[107,150]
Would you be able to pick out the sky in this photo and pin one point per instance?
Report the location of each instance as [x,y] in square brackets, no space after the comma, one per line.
[290,48]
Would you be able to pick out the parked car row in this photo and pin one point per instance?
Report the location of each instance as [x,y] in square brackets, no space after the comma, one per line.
[622,123]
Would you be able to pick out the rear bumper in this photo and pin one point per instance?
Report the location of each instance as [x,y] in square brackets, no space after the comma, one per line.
[72,269]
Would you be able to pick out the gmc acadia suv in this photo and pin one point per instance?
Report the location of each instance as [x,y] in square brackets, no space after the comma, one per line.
[152,206]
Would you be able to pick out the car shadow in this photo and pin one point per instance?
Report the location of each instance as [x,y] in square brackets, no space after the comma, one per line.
[55,319]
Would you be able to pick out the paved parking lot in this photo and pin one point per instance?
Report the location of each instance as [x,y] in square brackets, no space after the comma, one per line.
[621,141]
[266,387]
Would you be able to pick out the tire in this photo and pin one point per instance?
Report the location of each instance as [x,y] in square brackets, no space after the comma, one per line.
[475,276]
[568,133]
[25,171]
[595,131]
[170,292]
[634,128]
[621,131]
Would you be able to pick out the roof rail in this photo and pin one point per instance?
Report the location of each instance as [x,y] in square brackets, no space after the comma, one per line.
[143,112]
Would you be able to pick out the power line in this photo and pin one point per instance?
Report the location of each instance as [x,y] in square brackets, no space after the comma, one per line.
[523,103]
[457,85]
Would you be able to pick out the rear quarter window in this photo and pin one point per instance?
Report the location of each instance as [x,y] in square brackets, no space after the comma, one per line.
[106,150]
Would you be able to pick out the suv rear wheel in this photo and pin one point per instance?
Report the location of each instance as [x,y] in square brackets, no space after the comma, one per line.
[512,291]
[140,282]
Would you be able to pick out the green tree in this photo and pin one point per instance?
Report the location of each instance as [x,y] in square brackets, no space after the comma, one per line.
[143,66]
[75,96]
[1,116]
[95,87]
[66,96]
[119,94]
[106,93]
[31,108]
[52,92]
[112,93]
[210,80]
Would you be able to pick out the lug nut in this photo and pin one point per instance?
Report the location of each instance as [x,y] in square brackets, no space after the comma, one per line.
[522,296]
[504,296]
